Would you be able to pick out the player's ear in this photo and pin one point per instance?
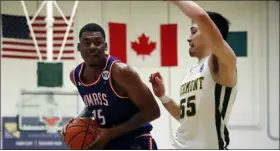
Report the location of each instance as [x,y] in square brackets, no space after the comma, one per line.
[78,47]
[106,46]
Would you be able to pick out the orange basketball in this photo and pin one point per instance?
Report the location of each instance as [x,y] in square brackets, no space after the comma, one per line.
[80,133]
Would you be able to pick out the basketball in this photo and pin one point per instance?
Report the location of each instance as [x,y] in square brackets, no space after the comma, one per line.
[80,133]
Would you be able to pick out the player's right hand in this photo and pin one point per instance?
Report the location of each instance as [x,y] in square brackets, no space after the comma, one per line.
[65,127]
[157,83]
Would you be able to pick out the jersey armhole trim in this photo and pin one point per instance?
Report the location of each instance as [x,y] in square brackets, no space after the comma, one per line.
[97,80]
[74,77]
[111,84]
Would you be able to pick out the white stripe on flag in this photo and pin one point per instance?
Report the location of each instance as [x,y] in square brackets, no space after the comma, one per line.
[38,41]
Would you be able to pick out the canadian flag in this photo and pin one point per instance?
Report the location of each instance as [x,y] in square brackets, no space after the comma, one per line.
[157,47]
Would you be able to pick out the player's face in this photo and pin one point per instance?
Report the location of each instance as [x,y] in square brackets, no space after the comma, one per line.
[195,42]
[92,47]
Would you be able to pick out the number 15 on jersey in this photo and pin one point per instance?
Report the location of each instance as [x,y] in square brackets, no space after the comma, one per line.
[99,116]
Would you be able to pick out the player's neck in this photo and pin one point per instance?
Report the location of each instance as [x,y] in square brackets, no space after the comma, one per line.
[96,68]
[203,55]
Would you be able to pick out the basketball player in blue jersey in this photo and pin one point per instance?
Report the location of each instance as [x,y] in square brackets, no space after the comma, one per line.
[114,95]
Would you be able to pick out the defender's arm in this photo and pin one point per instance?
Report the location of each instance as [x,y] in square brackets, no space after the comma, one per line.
[171,106]
[159,90]
[208,29]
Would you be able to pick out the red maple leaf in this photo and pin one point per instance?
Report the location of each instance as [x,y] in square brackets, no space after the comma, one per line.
[143,47]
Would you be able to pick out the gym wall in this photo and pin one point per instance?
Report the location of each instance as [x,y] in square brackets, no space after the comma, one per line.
[251,126]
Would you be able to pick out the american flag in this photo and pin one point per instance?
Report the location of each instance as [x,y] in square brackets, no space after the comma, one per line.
[17,42]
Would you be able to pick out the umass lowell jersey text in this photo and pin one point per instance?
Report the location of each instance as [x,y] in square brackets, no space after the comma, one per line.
[108,108]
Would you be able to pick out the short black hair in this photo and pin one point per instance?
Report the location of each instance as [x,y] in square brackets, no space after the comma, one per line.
[221,22]
[92,27]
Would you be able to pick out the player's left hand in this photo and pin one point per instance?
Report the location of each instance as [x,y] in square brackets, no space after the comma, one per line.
[104,136]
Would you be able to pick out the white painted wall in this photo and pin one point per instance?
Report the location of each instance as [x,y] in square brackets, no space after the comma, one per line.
[248,124]
[273,77]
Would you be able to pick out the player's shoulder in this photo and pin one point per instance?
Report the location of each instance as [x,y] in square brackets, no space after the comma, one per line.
[120,67]
[74,72]
[76,68]
[122,70]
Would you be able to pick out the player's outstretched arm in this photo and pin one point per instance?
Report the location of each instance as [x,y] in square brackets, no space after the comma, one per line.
[158,87]
[209,30]
[126,78]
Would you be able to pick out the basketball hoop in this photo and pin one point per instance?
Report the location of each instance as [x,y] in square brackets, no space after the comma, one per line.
[42,110]
[52,124]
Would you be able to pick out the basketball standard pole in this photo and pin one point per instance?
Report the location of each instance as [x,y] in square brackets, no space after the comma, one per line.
[29,23]
[69,24]
[49,25]
[169,80]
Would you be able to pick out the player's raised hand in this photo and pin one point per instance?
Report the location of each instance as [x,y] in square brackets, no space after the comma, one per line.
[157,83]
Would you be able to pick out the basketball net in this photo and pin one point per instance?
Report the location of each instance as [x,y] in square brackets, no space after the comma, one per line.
[52,124]
[51,115]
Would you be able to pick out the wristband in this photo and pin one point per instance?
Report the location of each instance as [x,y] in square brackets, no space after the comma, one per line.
[164,99]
